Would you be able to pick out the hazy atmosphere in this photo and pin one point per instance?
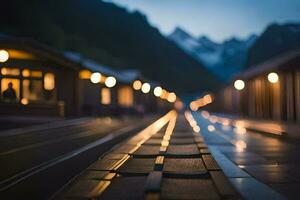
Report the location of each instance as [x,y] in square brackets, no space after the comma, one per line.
[150,99]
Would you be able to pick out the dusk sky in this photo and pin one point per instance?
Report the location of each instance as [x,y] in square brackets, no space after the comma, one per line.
[218,19]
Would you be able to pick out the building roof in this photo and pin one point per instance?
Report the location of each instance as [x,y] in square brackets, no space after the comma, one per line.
[276,63]
[71,59]
[125,76]
[37,48]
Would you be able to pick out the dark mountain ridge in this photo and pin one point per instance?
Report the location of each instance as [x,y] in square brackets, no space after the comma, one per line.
[275,40]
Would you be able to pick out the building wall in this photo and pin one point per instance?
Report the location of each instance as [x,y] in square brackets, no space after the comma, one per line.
[262,99]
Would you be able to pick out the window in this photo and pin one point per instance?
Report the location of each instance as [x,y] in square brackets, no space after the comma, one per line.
[10,89]
[10,71]
[33,90]
[49,81]
[125,96]
[26,85]
[32,73]
[105,96]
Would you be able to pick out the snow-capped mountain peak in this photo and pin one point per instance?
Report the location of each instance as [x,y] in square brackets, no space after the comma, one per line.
[184,39]
[229,55]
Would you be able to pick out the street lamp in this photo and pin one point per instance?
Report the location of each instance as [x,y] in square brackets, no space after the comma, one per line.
[137,85]
[273,77]
[4,56]
[171,97]
[239,84]
[95,77]
[110,81]
[157,91]
[146,88]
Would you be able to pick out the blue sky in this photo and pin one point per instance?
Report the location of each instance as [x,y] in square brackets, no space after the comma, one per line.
[218,19]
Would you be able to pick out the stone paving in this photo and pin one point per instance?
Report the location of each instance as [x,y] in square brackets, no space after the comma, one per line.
[164,161]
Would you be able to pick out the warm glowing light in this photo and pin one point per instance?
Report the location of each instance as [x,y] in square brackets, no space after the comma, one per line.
[110,81]
[273,77]
[10,71]
[4,56]
[193,106]
[171,97]
[137,85]
[157,91]
[95,77]
[193,123]
[239,84]
[210,128]
[196,129]
[207,99]
[125,96]
[240,145]
[240,130]
[49,81]
[164,94]
[165,143]
[85,74]
[105,96]
[24,101]
[146,88]
[26,73]
[36,74]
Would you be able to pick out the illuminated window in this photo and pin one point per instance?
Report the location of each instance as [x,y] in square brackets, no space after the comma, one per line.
[105,96]
[10,71]
[32,73]
[125,96]
[49,81]
[33,90]
[36,74]
[10,89]
[85,74]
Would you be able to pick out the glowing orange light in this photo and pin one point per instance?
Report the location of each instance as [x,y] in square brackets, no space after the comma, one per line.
[240,145]
[49,81]
[137,85]
[24,101]
[171,97]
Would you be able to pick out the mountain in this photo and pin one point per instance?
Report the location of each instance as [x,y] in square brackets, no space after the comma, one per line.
[223,59]
[110,35]
[275,40]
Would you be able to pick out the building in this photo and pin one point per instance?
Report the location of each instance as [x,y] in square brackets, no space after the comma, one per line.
[44,81]
[47,82]
[270,90]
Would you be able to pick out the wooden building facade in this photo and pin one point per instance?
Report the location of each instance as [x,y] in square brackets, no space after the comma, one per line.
[273,96]
[37,80]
